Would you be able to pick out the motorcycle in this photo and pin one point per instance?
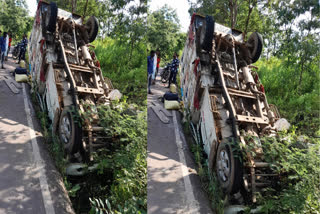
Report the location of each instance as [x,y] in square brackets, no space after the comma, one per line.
[16,51]
[165,73]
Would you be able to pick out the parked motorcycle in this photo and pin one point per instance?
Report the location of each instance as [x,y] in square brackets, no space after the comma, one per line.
[16,51]
[166,73]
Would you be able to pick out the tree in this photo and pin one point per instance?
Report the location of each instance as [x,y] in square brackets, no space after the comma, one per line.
[14,17]
[163,32]
[299,36]
[239,14]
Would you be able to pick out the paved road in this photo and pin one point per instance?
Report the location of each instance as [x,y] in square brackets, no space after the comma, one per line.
[29,182]
[173,185]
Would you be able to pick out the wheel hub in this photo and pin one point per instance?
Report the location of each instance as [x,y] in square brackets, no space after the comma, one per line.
[224,166]
[65,129]
[48,13]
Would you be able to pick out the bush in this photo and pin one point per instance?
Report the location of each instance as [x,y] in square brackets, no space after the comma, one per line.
[127,160]
[119,185]
[299,103]
[298,164]
[129,75]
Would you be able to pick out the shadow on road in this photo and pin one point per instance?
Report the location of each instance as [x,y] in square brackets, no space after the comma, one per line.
[166,182]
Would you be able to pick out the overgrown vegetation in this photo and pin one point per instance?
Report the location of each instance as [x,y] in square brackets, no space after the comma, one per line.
[128,74]
[299,103]
[297,161]
[208,180]
[119,185]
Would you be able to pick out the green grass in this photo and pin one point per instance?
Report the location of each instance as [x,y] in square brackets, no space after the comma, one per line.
[129,75]
[299,103]
[208,178]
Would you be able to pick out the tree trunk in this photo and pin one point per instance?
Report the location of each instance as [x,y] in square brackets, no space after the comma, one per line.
[131,50]
[132,37]
[300,79]
[248,18]
[235,13]
[231,12]
[233,7]
[301,67]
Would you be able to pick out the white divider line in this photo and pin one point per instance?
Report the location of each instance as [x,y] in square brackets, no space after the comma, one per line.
[47,200]
[192,204]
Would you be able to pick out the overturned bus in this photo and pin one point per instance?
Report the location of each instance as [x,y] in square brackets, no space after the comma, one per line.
[67,78]
[226,103]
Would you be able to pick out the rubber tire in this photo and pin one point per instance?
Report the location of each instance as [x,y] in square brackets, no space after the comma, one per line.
[165,76]
[73,145]
[235,181]
[92,26]
[256,41]
[198,44]
[15,53]
[51,26]
[208,30]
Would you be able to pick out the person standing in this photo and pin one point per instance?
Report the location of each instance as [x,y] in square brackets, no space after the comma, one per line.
[154,68]
[174,70]
[0,46]
[150,60]
[24,44]
[3,48]
[9,45]
[158,61]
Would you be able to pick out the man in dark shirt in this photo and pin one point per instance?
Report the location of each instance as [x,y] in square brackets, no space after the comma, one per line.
[150,70]
[174,69]
[24,44]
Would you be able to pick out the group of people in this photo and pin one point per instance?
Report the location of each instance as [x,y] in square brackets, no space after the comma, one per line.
[153,68]
[5,45]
